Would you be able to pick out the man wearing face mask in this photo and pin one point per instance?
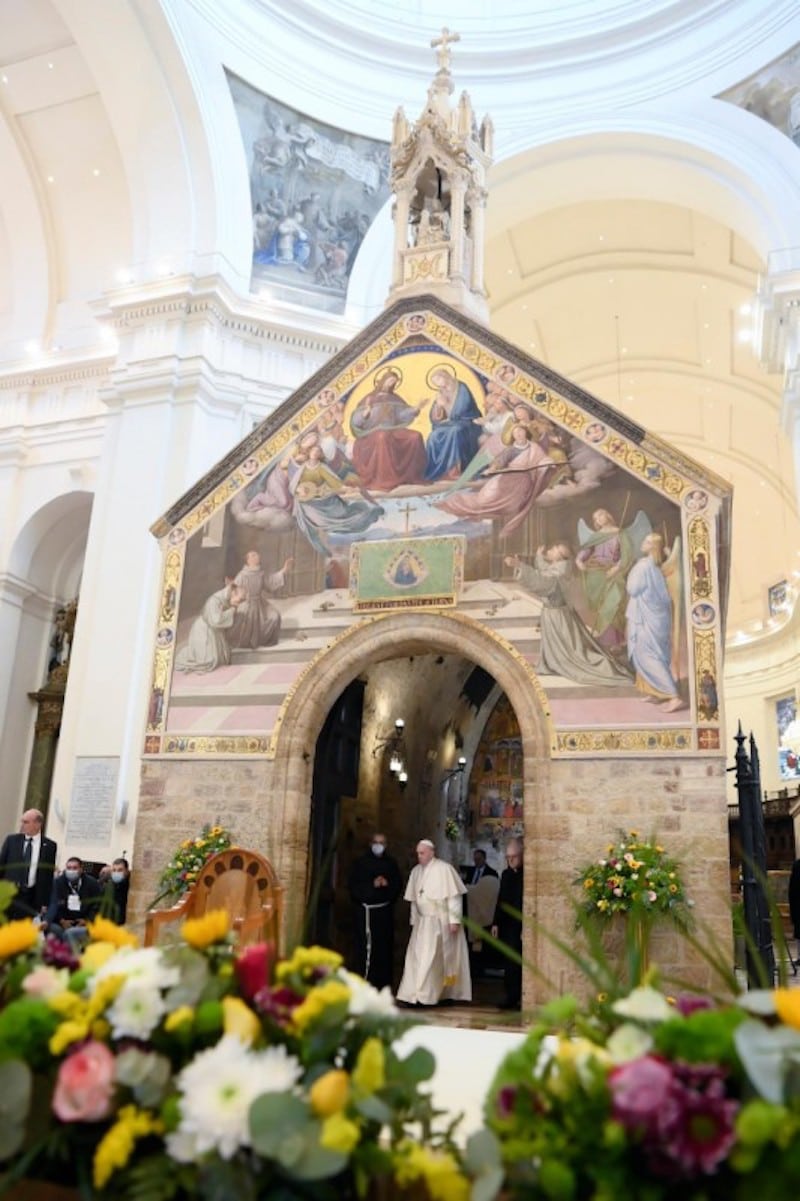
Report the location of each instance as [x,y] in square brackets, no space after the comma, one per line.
[75,900]
[375,885]
[115,878]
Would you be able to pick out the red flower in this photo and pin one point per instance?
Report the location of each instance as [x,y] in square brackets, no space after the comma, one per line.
[254,968]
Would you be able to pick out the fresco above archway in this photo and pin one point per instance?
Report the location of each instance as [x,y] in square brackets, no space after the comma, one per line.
[432,464]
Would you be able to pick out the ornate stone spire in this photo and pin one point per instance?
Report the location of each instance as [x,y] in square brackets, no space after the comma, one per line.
[439,181]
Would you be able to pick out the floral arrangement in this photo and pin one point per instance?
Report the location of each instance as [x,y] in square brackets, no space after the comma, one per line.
[194,1071]
[452,830]
[188,861]
[683,1098]
[635,875]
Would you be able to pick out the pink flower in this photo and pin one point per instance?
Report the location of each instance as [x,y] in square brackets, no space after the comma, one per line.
[85,1084]
[254,968]
[639,1090]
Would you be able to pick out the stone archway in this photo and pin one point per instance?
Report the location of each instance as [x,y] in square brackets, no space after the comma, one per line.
[378,639]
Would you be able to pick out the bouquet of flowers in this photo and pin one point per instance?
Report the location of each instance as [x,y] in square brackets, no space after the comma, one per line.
[683,1098]
[188,861]
[452,829]
[635,875]
[194,1071]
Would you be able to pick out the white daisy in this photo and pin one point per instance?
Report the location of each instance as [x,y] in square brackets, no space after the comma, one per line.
[219,1086]
[364,998]
[146,965]
[137,1010]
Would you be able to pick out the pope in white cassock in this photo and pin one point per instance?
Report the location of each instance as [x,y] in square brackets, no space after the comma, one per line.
[437,959]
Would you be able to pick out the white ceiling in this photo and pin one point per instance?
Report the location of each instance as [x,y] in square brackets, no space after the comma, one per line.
[112,134]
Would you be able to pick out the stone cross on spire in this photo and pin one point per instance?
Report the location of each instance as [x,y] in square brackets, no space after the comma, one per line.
[443,51]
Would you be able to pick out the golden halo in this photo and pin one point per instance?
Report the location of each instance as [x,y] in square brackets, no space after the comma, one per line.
[446,367]
[387,367]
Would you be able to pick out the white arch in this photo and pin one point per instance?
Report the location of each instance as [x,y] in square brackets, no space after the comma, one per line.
[715,158]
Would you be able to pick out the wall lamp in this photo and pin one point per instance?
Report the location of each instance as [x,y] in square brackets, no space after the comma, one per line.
[394,743]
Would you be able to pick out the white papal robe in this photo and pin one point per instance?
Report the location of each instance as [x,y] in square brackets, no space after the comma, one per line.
[437,961]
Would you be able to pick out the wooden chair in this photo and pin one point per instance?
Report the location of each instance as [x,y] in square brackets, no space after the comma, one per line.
[242,882]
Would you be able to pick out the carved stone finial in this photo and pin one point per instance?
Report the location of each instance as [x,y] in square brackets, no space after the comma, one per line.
[442,47]
[439,167]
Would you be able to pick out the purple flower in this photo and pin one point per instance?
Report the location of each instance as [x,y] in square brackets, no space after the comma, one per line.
[701,1132]
[639,1091]
[57,953]
[687,1003]
[505,1101]
[679,1111]
[277,1004]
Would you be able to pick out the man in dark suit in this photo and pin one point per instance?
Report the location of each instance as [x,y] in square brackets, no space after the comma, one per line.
[28,859]
[75,900]
[508,925]
[480,869]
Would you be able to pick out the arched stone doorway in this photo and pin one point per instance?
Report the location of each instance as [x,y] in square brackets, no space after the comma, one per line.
[445,640]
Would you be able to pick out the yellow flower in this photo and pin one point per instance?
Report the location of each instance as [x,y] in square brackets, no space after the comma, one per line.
[328,1095]
[673,888]
[66,1003]
[633,834]
[240,1020]
[178,1017]
[369,1074]
[602,904]
[17,936]
[104,995]
[339,1134]
[102,930]
[201,932]
[308,959]
[69,1032]
[438,1169]
[588,884]
[96,954]
[115,1147]
[787,1004]
[330,992]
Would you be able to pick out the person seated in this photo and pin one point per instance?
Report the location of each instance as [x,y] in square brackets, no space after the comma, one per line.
[115,878]
[74,901]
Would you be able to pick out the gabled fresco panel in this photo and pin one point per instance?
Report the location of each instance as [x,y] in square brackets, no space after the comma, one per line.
[584,545]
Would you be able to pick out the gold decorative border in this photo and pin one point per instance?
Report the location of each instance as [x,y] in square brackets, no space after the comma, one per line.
[700,544]
[595,742]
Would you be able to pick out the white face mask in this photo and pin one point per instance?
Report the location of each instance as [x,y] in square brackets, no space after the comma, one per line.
[117,877]
[378,848]
[72,874]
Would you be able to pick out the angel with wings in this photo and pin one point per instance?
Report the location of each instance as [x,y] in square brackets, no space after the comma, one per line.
[653,622]
[608,549]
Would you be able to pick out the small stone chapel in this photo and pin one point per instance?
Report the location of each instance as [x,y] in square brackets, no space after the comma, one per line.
[409,600]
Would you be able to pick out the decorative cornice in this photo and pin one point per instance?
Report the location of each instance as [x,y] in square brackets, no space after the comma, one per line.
[25,377]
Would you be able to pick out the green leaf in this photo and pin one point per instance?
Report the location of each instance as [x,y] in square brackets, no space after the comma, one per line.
[482,1152]
[416,1067]
[487,1185]
[375,1109]
[275,1120]
[765,1054]
[316,1162]
[15,1098]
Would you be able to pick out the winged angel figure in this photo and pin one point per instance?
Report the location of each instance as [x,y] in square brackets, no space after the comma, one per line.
[608,550]
[654,615]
